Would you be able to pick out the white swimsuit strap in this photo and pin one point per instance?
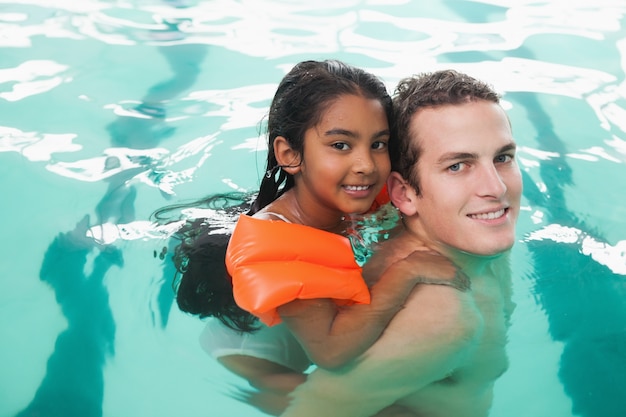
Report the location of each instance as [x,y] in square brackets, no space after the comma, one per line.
[280,216]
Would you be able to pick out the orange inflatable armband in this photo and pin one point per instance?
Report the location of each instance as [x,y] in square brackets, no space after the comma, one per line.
[272,262]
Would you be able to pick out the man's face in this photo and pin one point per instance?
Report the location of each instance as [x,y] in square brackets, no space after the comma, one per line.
[470,184]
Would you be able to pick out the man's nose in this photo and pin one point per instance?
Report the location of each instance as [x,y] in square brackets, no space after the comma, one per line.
[491,182]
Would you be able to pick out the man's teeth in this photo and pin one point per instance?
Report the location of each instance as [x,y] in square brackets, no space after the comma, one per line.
[488,216]
[357,187]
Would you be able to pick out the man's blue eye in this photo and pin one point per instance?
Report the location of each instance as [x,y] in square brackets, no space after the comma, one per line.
[455,167]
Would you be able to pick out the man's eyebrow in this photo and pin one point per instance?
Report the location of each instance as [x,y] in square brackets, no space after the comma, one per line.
[454,156]
[508,147]
[345,132]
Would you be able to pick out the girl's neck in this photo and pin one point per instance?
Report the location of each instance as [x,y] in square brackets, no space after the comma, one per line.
[290,207]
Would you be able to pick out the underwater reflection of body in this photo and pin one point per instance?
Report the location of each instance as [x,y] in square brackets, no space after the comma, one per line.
[73,385]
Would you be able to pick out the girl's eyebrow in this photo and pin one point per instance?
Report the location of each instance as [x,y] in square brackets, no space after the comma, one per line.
[339,131]
[345,132]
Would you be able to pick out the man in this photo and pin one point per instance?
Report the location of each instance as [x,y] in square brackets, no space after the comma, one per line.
[458,188]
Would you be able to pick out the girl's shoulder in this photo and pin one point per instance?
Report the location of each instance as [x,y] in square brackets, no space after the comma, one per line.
[270,215]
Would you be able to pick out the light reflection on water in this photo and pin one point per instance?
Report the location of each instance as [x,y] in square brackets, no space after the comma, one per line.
[113,109]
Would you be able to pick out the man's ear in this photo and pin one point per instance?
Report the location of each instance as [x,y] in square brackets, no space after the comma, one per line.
[402,194]
[287,157]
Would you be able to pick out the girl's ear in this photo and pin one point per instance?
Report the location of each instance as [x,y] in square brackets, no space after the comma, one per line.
[402,194]
[286,156]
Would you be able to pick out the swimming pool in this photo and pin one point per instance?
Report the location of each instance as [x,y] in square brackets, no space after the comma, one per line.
[111,109]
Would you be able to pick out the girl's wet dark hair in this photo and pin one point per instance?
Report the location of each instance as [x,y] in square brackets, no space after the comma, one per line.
[201,283]
[204,287]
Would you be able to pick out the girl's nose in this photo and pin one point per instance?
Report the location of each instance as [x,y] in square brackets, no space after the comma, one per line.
[364,163]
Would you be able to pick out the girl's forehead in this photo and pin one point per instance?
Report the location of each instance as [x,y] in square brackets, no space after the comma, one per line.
[330,106]
[341,100]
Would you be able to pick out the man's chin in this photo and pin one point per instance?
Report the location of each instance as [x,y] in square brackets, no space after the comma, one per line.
[487,252]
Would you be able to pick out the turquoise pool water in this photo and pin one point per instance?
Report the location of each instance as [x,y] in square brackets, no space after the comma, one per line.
[87,321]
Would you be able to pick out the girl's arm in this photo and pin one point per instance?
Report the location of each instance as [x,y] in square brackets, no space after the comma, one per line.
[333,335]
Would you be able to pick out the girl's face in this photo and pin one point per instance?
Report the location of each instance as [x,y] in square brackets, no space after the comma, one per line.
[346,161]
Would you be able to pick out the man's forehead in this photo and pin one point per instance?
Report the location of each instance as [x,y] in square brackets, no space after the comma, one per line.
[461,128]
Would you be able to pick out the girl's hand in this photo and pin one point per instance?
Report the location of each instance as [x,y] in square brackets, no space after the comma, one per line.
[424,264]
[427,267]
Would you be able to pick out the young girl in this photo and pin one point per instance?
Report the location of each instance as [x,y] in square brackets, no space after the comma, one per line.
[328,135]
[328,131]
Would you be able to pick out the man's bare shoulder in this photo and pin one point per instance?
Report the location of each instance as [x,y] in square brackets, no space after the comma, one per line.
[410,257]
[437,327]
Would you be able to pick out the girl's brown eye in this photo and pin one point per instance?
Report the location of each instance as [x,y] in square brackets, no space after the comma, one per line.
[342,146]
[379,145]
